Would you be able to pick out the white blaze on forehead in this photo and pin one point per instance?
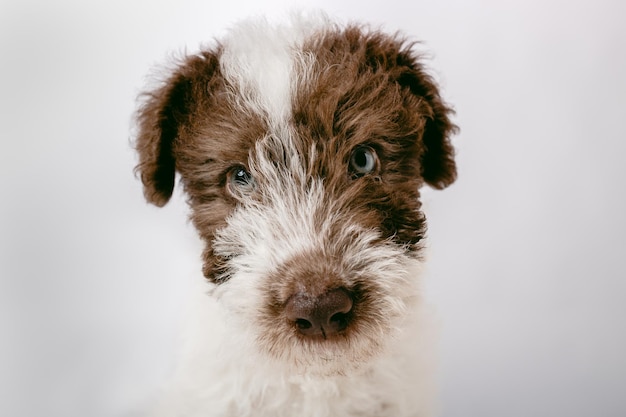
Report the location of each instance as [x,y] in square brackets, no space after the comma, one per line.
[259,60]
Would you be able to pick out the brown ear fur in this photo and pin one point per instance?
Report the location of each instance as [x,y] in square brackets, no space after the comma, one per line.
[163,115]
[437,163]
[438,166]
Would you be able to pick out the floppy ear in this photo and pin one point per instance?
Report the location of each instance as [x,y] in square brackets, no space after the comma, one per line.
[161,119]
[437,162]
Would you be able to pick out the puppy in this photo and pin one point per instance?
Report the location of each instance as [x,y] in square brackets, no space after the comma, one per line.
[302,148]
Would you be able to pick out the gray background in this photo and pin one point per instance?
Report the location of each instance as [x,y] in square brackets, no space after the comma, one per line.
[527,248]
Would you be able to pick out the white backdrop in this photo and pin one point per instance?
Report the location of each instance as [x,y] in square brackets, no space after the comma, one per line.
[527,262]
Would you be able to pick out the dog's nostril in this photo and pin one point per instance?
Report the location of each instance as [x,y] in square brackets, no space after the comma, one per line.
[339,320]
[324,315]
[303,324]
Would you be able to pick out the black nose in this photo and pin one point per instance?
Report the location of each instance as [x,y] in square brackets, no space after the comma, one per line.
[324,315]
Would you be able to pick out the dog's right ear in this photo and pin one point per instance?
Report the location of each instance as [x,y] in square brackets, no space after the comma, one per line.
[164,114]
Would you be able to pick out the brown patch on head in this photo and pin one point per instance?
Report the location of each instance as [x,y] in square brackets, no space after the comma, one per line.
[372,87]
[369,89]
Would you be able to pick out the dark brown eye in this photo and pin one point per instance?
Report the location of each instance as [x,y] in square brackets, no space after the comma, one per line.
[240,182]
[363,161]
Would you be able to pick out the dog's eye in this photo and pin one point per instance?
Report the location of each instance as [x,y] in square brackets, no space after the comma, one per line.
[240,181]
[363,161]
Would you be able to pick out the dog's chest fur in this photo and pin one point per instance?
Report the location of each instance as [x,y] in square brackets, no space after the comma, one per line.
[302,148]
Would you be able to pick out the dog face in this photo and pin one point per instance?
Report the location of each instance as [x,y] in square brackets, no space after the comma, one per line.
[302,150]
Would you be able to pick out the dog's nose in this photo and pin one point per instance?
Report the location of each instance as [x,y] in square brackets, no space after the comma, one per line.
[324,315]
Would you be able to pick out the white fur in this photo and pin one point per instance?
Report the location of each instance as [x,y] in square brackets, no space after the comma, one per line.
[260,58]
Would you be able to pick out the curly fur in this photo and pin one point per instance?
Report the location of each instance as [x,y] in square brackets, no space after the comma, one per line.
[288,105]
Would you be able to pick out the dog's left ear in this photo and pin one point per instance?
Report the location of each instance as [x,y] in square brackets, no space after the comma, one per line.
[437,162]
[164,115]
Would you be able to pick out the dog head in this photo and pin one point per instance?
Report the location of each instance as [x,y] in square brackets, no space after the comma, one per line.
[302,150]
